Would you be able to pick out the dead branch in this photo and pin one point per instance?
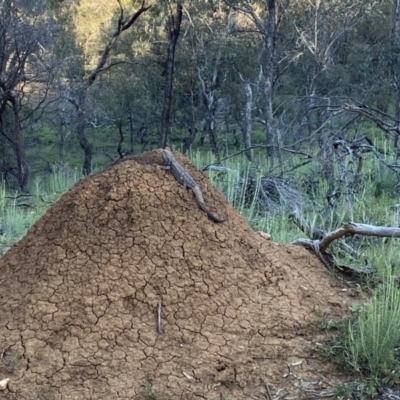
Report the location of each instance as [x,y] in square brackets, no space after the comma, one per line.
[358,229]
[381,119]
[348,153]
[316,233]
[320,247]
[248,10]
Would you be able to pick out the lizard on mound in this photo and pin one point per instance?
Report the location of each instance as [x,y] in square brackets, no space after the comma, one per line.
[183,176]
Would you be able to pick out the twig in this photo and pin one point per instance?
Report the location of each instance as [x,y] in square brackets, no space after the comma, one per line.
[159,329]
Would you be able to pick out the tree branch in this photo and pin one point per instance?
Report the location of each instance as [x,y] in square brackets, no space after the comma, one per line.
[121,26]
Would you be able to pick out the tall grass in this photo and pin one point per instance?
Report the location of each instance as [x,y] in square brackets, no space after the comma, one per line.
[18,213]
[61,179]
[375,334]
[14,222]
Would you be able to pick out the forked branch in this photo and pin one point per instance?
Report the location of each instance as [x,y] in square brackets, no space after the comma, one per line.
[320,242]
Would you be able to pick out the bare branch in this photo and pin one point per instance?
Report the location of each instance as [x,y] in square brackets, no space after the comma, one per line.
[358,229]
[373,115]
[247,9]
[122,26]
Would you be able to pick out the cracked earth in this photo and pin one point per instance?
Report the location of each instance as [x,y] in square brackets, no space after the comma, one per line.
[125,283]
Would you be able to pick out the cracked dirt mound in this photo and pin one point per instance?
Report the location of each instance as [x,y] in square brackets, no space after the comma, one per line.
[80,297]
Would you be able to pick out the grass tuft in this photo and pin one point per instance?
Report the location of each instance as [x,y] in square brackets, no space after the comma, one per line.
[375,333]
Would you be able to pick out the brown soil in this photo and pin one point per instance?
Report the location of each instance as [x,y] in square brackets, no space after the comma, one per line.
[79,297]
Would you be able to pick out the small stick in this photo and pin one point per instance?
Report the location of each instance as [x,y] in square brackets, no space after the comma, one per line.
[159,329]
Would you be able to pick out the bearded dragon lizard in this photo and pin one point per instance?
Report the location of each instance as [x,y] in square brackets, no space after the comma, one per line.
[187,181]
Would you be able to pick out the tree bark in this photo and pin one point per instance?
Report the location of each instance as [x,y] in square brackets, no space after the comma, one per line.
[173,26]
[188,141]
[85,144]
[396,44]
[268,29]
[246,127]
[270,46]
[210,96]
[247,130]
[22,175]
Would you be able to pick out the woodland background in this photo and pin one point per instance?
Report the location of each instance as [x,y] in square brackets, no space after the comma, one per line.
[304,77]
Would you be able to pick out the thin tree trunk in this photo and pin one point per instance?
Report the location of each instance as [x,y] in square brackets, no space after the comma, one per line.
[396,44]
[209,93]
[270,42]
[211,129]
[174,26]
[85,144]
[246,127]
[22,173]
[397,135]
[247,130]
[188,141]
[131,132]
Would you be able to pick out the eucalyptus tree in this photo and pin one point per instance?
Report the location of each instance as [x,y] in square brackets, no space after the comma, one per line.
[395,44]
[205,80]
[79,96]
[26,71]
[266,17]
[362,66]
[173,27]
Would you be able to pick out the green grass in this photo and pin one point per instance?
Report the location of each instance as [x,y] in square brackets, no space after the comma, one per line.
[19,212]
[374,334]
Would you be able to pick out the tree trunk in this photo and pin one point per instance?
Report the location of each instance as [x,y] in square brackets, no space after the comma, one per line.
[188,141]
[14,140]
[22,173]
[210,96]
[173,26]
[131,132]
[270,43]
[211,129]
[85,144]
[396,45]
[247,128]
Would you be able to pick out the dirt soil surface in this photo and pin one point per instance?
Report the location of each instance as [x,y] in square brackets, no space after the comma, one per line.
[125,288]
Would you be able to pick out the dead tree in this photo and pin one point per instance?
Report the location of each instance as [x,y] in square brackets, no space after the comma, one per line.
[246,125]
[268,29]
[209,88]
[387,123]
[19,46]
[173,29]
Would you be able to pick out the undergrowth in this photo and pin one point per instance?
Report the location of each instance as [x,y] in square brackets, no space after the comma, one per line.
[368,342]
[19,211]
